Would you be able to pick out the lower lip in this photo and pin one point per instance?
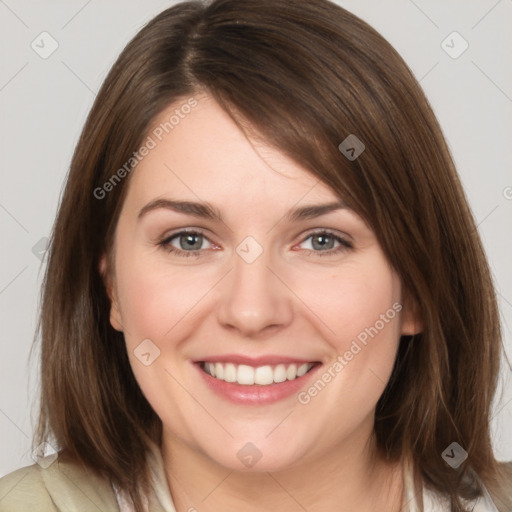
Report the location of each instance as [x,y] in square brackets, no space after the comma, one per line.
[255,394]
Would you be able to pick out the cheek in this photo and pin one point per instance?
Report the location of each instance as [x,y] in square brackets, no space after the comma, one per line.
[358,308]
[354,300]
[361,308]
[156,303]
[154,299]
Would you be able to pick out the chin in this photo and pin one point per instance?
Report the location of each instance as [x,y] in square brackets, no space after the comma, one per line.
[254,457]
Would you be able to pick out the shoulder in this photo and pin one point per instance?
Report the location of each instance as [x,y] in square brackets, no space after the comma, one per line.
[61,486]
[24,489]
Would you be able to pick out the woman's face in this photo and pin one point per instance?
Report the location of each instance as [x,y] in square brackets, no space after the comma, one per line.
[276,286]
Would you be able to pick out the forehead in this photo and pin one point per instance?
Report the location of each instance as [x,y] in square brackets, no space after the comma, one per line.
[203,154]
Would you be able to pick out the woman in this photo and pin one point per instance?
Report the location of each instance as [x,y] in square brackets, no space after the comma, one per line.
[265,289]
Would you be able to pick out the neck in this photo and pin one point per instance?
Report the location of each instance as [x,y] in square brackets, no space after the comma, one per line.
[349,477]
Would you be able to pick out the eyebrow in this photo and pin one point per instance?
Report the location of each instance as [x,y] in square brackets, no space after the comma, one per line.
[207,211]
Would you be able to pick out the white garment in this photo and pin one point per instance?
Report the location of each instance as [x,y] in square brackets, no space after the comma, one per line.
[159,485]
[434,503]
[431,501]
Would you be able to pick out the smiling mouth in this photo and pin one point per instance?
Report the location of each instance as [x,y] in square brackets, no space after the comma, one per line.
[261,375]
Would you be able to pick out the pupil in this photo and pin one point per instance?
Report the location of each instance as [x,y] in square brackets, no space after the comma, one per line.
[325,239]
[192,240]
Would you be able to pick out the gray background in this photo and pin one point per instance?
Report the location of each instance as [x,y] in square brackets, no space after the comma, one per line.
[44,103]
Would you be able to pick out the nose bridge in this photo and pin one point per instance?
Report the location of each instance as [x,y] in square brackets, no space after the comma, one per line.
[254,298]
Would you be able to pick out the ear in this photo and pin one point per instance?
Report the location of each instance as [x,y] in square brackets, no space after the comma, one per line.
[411,317]
[109,282]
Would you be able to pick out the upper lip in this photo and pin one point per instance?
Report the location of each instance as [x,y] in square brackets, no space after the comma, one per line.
[254,361]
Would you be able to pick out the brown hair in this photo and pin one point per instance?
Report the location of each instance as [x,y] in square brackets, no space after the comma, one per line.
[304,75]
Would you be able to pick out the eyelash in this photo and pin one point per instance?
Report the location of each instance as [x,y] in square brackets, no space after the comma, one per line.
[344,244]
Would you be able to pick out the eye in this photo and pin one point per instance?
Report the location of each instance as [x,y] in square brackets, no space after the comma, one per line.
[326,243]
[185,243]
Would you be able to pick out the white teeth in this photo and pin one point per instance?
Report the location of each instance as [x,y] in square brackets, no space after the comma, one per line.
[280,373]
[291,372]
[230,372]
[301,370]
[245,375]
[262,375]
[219,371]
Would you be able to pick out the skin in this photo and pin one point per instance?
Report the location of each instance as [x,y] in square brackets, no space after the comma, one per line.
[290,301]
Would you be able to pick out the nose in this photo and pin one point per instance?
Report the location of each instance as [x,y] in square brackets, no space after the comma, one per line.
[254,298]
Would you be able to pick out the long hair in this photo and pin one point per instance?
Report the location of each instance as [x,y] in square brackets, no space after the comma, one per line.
[303,76]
